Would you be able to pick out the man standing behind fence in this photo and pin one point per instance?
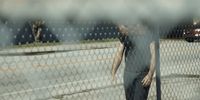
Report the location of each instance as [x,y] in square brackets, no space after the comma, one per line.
[139,44]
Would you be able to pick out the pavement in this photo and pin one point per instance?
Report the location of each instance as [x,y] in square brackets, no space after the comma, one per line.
[83,72]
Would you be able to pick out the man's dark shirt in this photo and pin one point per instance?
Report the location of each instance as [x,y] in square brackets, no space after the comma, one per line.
[137,50]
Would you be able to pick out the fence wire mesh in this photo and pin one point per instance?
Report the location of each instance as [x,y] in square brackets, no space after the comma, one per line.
[73,61]
[179,62]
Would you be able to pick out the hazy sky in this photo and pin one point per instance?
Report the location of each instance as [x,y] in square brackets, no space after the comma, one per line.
[156,10]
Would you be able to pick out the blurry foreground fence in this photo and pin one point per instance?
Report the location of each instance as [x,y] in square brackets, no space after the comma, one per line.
[82,70]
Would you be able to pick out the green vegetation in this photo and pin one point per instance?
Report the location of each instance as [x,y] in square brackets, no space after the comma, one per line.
[39,44]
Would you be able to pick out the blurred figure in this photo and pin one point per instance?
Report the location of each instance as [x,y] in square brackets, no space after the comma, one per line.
[37,27]
[138,43]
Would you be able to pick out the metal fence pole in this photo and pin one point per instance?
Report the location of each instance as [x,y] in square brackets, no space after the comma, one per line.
[158,81]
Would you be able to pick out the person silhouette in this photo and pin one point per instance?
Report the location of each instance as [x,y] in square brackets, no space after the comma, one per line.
[139,45]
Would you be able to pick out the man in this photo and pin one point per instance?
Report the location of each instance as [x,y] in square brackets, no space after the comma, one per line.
[138,43]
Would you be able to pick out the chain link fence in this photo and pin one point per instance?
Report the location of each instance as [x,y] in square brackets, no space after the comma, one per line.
[179,62]
[73,61]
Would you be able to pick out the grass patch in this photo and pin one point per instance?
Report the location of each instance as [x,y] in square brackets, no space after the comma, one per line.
[39,44]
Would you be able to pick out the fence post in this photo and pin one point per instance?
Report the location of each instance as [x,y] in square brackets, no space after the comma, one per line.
[158,81]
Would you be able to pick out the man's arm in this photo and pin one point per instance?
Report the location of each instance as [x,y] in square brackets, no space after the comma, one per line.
[120,51]
[153,58]
[148,78]
[117,60]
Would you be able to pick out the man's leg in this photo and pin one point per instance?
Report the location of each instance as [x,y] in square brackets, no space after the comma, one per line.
[130,91]
[141,92]
[129,85]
